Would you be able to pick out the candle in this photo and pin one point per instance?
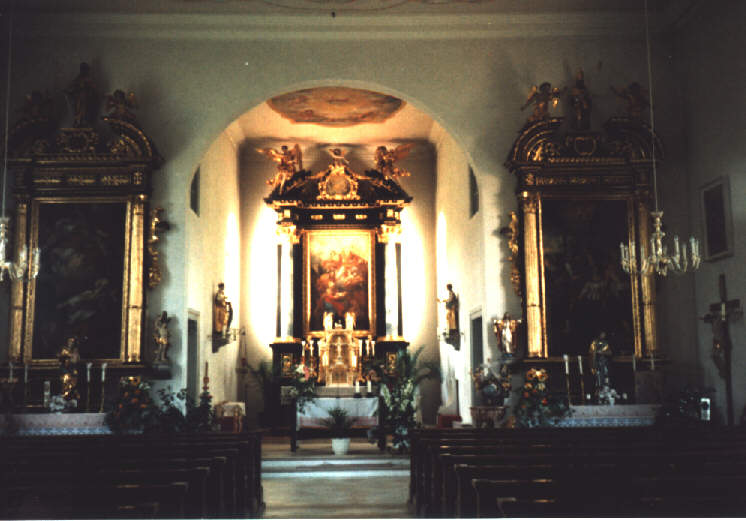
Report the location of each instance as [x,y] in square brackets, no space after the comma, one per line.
[25,373]
[370,387]
[373,347]
[357,387]
[103,372]
[88,371]
[566,358]
[580,364]
[10,371]
[652,362]
[634,363]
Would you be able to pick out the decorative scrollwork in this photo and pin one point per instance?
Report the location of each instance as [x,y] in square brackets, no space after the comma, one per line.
[157,225]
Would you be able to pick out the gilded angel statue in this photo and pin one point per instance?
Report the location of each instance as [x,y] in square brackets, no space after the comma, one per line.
[338,156]
[288,163]
[119,104]
[634,97]
[542,97]
[386,158]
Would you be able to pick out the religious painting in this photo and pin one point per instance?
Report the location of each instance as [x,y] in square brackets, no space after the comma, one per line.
[335,106]
[717,221]
[338,282]
[80,288]
[586,291]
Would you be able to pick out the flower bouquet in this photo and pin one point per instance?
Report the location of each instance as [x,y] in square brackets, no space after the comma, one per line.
[303,384]
[536,407]
[493,384]
[133,409]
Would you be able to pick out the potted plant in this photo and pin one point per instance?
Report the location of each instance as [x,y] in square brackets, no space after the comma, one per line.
[338,422]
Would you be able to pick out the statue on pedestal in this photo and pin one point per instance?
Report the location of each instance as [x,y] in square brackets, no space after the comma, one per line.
[161,335]
[600,358]
[452,306]
[69,358]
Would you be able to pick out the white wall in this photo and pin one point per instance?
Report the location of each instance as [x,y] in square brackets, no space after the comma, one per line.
[712,72]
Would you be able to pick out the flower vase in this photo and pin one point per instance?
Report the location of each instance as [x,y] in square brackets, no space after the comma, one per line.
[340,446]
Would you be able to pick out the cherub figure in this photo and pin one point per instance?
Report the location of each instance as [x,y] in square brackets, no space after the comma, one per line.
[288,163]
[542,97]
[386,158]
[634,97]
[119,104]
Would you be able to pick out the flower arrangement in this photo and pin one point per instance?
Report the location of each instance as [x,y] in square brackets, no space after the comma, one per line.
[493,384]
[608,395]
[303,385]
[399,390]
[536,407]
[133,409]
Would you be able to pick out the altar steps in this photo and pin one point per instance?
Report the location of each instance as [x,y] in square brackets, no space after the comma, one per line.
[335,467]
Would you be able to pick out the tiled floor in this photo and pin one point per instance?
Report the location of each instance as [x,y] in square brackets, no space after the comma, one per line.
[313,483]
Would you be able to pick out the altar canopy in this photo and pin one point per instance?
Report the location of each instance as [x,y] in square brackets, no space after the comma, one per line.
[363,411]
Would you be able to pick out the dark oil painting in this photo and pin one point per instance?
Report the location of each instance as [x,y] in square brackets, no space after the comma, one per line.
[80,284]
[586,290]
[339,265]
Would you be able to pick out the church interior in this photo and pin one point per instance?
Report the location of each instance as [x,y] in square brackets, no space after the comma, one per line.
[492,214]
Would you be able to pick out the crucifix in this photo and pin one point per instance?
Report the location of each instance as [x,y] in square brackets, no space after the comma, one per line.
[718,317]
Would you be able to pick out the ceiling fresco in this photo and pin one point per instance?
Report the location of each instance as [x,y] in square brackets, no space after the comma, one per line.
[335,106]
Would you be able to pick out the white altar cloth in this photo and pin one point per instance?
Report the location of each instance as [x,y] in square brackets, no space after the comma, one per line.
[621,415]
[363,411]
[54,424]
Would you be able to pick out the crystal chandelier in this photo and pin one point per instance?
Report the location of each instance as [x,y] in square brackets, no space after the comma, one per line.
[658,260]
[15,270]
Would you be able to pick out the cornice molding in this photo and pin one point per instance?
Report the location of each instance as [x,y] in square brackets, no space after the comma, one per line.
[218,27]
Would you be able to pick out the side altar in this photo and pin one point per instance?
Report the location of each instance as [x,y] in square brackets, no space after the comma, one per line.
[339,304]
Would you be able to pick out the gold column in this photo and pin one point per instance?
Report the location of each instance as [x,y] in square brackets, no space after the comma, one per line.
[16,287]
[536,347]
[634,279]
[134,273]
[647,283]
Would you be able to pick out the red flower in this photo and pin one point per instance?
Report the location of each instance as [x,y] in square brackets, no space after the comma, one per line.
[526,395]
[544,401]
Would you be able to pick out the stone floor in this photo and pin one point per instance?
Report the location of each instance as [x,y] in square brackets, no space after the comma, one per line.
[314,483]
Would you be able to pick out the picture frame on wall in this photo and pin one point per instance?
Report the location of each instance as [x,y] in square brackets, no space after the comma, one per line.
[717,220]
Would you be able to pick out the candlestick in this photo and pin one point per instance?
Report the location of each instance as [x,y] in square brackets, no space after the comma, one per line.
[103,372]
[88,371]
[357,386]
[10,371]
[370,387]
[634,363]
[652,361]
[566,358]
[25,374]
[580,364]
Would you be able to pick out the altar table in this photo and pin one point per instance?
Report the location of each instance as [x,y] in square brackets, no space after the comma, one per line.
[54,424]
[618,415]
[362,411]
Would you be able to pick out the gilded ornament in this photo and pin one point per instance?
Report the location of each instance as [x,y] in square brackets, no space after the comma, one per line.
[288,163]
[543,98]
[386,158]
[634,98]
[157,226]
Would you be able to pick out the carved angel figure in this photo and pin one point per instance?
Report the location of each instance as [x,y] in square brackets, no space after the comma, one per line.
[386,158]
[634,97]
[542,97]
[505,330]
[288,163]
[338,157]
[119,104]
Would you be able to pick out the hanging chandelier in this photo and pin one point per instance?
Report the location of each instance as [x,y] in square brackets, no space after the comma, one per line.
[15,270]
[658,260]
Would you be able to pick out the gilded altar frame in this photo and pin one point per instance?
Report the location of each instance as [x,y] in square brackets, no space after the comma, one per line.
[579,168]
[358,237]
[107,162]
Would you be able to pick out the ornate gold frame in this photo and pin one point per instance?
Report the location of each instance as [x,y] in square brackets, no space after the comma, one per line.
[612,164]
[338,232]
[642,288]
[132,280]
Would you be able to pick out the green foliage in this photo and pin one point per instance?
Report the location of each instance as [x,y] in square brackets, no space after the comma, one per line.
[338,422]
[536,406]
[303,385]
[399,389]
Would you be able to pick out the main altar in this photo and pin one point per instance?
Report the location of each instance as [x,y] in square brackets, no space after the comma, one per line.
[339,312]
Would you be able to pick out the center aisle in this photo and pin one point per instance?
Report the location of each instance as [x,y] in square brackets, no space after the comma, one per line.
[314,483]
